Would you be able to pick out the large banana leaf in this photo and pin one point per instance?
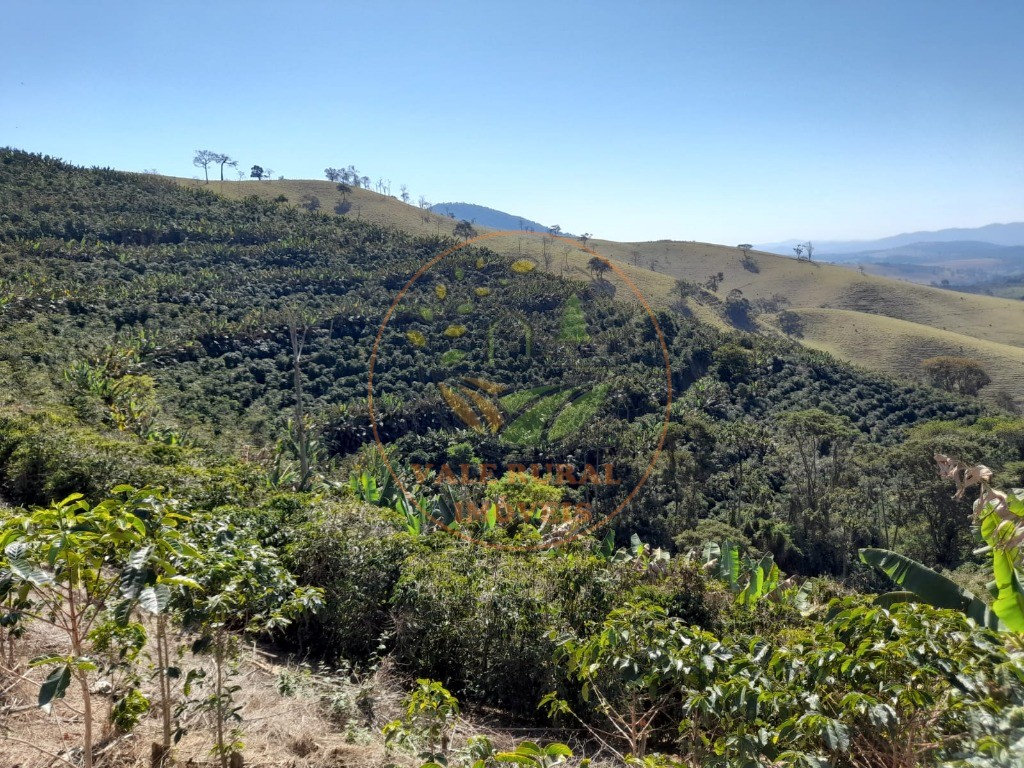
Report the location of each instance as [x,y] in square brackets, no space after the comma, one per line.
[1000,530]
[1009,602]
[711,552]
[729,565]
[930,587]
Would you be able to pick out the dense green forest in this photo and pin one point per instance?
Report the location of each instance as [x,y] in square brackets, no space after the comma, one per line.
[199,368]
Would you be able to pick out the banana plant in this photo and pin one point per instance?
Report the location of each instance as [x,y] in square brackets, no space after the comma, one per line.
[723,561]
[754,580]
[366,487]
[641,556]
[922,583]
[416,514]
[762,579]
[1000,518]
[606,550]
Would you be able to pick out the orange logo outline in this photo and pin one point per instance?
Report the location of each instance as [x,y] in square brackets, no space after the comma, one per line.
[597,523]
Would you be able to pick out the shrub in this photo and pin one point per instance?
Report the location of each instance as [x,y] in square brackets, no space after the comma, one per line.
[355,553]
[476,617]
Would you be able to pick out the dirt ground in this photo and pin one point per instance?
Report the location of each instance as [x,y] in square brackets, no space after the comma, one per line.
[293,717]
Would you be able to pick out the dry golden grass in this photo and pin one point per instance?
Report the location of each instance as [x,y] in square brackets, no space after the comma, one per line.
[855,336]
[279,731]
[895,321]
[366,205]
[305,729]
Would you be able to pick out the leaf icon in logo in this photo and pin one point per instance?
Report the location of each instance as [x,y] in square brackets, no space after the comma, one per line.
[469,404]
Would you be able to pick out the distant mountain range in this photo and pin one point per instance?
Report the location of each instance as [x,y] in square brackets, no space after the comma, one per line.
[960,262]
[487,217]
[958,256]
[934,253]
[994,234]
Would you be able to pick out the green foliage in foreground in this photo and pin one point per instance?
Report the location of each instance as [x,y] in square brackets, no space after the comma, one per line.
[909,684]
[87,569]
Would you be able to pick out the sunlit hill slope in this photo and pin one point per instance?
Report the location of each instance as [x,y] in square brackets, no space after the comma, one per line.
[882,324]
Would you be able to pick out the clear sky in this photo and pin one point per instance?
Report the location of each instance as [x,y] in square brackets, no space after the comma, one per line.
[720,120]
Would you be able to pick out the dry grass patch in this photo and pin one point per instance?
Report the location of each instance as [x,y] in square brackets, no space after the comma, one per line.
[319,725]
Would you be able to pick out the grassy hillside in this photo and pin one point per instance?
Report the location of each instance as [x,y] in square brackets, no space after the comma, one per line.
[983,326]
[853,336]
[366,205]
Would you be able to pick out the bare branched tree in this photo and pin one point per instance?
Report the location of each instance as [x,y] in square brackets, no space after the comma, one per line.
[222,160]
[202,159]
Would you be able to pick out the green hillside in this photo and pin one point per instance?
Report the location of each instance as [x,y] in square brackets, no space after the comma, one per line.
[779,282]
[556,489]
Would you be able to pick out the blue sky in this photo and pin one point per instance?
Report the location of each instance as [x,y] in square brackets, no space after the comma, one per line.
[723,121]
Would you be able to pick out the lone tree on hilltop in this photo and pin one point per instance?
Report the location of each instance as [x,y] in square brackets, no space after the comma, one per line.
[203,159]
[749,262]
[555,229]
[222,160]
[584,238]
[257,172]
[332,174]
[956,374]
